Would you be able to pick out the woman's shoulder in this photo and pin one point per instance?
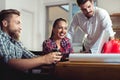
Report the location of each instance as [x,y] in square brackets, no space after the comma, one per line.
[66,39]
[47,40]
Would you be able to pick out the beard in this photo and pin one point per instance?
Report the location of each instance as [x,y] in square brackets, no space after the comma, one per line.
[14,34]
[90,14]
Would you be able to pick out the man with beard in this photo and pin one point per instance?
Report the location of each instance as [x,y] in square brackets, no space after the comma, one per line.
[91,21]
[12,51]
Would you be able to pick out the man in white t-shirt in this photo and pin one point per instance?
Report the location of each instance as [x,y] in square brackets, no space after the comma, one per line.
[92,21]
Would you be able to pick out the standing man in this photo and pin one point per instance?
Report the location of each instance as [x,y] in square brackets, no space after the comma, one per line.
[92,21]
[12,51]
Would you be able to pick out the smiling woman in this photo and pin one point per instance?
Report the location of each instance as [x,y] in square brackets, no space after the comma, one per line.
[58,40]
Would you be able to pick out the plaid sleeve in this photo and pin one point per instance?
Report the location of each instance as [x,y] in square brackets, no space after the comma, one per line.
[7,50]
[47,46]
[26,53]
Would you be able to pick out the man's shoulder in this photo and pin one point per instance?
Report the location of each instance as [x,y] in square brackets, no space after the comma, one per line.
[100,11]
[80,13]
[2,35]
[78,16]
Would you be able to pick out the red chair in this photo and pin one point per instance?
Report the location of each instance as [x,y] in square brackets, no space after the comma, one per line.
[112,46]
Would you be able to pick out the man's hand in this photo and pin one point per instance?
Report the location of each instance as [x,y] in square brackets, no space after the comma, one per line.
[52,57]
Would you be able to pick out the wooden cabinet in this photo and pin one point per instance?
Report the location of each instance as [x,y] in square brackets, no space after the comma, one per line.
[116,24]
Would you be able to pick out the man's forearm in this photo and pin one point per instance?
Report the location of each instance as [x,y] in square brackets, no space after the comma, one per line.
[25,64]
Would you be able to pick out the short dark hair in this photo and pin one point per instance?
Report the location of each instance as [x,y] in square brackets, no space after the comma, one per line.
[79,2]
[6,14]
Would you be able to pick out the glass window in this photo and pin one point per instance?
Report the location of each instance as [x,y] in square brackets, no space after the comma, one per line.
[75,9]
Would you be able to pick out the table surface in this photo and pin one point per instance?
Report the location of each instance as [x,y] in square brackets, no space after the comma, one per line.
[84,63]
[87,71]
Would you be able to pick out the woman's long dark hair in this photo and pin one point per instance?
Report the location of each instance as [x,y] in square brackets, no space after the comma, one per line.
[55,23]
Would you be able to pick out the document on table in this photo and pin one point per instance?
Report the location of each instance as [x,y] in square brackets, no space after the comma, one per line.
[94,57]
